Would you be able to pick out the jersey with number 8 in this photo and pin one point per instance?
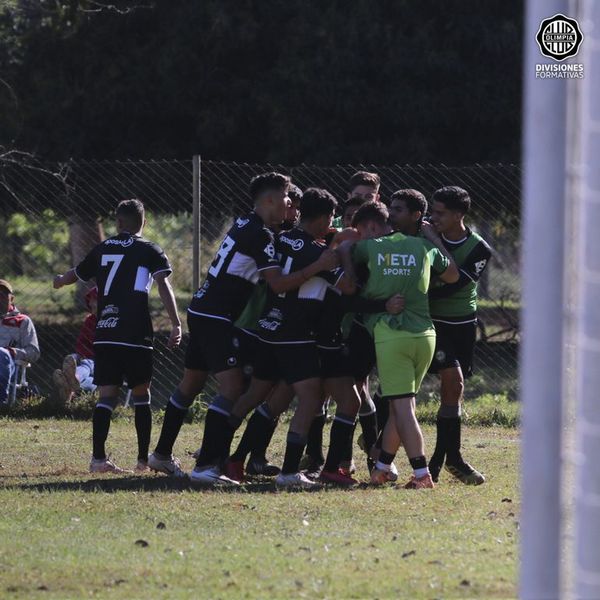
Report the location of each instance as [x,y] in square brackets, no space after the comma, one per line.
[247,249]
[123,267]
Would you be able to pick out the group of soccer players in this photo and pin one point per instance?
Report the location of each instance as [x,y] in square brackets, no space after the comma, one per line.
[295,312]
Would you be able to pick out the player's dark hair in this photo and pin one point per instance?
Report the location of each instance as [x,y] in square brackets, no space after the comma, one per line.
[294,193]
[351,203]
[268,182]
[315,203]
[131,214]
[364,178]
[414,200]
[374,210]
[453,198]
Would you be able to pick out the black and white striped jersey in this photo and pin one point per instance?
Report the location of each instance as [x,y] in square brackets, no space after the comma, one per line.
[123,267]
[292,317]
[247,249]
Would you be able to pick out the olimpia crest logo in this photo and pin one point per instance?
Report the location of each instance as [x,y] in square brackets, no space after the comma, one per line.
[559,37]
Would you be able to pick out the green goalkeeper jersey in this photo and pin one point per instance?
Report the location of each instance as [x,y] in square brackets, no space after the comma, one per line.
[251,313]
[400,264]
[458,301]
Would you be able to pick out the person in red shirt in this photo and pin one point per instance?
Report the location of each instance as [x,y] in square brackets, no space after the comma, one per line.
[77,373]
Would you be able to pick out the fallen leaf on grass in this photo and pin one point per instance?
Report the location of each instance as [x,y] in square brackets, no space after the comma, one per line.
[142,543]
[506,499]
[465,583]
[409,553]
[161,525]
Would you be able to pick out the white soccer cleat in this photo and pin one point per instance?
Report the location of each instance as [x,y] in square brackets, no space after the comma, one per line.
[69,369]
[105,465]
[393,474]
[169,466]
[294,480]
[210,475]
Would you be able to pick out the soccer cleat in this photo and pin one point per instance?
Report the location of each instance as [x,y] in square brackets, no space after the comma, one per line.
[310,467]
[211,475]
[234,469]
[420,483]
[69,369]
[393,475]
[379,477]
[465,472]
[293,480]
[169,466]
[105,465]
[348,467]
[339,477]
[141,466]
[62,386]
[435,466]
[261,466]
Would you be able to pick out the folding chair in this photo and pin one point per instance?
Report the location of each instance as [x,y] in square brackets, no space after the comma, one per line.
[19,380]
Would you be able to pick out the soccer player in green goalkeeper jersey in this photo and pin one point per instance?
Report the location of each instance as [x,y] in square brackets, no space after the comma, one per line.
[400,264]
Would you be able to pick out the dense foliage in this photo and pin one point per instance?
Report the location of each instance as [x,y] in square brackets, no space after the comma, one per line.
[288,81]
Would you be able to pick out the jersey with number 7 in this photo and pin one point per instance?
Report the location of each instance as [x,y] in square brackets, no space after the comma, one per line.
[123,267]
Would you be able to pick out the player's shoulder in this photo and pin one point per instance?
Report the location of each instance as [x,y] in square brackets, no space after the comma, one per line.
[479,242]
[149,245]
[250,227]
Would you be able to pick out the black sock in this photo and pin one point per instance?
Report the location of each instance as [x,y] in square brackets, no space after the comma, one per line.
[100,427]
[368,424]
[382,405]
[233,424]
[314,439]
[418,462]
[348,449]
[259,451]
[341,432]
[293,452]
[216,427]
[256,437]
[441,440]
[143,428]
[386,458]
[379,440]
[453,427]
[172,423]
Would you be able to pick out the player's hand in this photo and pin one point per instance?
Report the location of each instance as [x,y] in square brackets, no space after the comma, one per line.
[342,236]
[429,232]
[175,337]
[328,260]
[57,283]
[395,304]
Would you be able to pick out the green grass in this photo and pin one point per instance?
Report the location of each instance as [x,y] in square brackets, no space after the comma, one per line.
[66,534]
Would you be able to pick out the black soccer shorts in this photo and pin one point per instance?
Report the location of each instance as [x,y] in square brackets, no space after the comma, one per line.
[362,351]
[114,365]
[454,347]
[290,362]
[213,345]
[335,362]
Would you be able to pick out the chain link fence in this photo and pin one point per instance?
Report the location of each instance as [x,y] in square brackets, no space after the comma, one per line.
[51,214]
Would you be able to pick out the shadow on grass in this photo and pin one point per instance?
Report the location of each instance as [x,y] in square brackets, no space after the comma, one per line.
[160,484]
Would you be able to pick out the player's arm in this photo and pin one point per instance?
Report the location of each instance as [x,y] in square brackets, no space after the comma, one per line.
[167,296]
[281,283]
[67,278]
[344,252]
[469,272]
[450,274]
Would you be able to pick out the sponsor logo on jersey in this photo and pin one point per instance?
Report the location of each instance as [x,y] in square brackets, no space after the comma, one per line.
[270,250]
[242,222]
[108,310]
[294,244]
[201,291]
[480,266]
[125,243]
[268,324]
[395,264]
[109,323]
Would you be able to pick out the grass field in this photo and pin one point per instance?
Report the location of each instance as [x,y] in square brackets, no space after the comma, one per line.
[67,534]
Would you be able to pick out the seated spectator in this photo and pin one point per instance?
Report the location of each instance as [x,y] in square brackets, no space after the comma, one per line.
[77,371]
[18,339]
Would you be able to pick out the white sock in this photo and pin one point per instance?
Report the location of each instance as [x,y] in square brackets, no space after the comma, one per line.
[421,472]
[382,466]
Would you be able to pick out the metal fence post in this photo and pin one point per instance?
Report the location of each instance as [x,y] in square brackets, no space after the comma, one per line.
[197,192]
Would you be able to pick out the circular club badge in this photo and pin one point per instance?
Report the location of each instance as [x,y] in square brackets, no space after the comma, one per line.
[559,37]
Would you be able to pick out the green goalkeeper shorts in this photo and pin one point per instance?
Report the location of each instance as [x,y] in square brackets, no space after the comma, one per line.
[403,359]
